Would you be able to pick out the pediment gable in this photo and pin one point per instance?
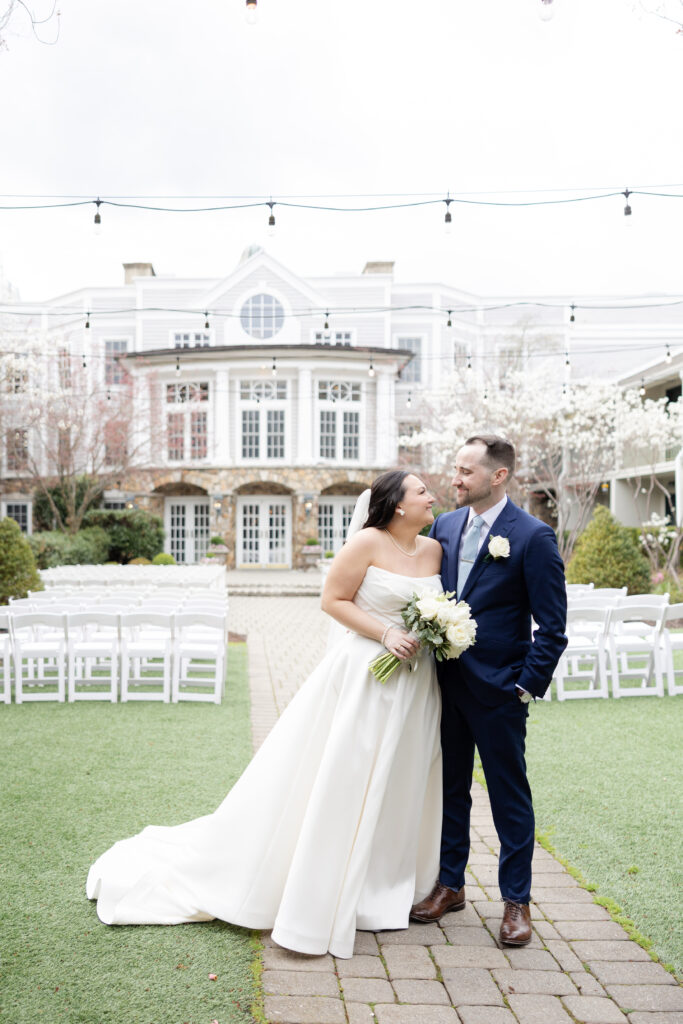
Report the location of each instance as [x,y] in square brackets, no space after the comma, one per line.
[261,272]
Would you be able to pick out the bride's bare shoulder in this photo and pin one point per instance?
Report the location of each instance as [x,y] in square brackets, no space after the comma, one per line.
[364,541]
[433,551]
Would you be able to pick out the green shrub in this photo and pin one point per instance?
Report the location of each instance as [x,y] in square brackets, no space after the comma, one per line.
[163,559]
[312,542]
[87,547]
[133,533]
[608,555]
[216,540]
[140,561]
[44,517]
[672,587]
[18,573]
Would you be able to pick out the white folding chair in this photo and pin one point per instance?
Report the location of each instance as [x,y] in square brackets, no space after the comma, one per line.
[636,654]
[21,604]
[578,589]
[585,657]
[93,655]
[39,645]
[5,657]
[609,592]
[146,654]
[672,642]
[199,656]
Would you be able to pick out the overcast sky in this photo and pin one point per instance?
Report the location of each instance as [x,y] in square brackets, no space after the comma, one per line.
[333,97]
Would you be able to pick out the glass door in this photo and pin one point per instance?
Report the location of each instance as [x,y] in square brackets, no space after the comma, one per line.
[187,528]
[334,516]
[264,532]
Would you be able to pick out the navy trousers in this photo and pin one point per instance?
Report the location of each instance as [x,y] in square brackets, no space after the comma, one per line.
[499,734]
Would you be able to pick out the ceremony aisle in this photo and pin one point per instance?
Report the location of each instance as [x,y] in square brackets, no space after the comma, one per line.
[75,778]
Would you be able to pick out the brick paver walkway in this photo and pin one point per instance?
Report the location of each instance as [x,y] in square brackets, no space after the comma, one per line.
[580,966]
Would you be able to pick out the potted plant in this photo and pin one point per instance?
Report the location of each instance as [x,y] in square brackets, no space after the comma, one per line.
[310,552]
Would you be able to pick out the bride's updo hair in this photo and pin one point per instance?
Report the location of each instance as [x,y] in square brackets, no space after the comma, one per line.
[385,494]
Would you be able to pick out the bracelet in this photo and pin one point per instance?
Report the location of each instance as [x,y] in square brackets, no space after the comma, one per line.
[384,634]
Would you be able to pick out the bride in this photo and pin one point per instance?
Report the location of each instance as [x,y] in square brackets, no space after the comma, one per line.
[335,824]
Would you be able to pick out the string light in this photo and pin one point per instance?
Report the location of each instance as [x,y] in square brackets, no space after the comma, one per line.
[668,354]
[87,321]
[98,218]
[547,10]
[409,400]
[84,363]
[641,389]
[449,322]
[627,208]
[177,366]
[108,395]
[251,13]
[572,318]
[206,321]
[371,369]
[271,218]
[469,362]
[566,359]
[326,325]
[448,219]
[274,368]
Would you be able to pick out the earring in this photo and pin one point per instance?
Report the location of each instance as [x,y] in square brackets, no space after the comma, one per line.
[400,511]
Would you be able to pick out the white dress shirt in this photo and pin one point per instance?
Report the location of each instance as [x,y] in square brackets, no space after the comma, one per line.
[489,517]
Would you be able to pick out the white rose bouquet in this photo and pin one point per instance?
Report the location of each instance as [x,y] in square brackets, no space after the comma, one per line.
[441,625]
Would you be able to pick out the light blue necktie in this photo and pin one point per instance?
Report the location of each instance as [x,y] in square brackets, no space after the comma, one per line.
[470,549]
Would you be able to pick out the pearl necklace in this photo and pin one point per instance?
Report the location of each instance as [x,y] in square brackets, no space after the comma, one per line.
[410,554]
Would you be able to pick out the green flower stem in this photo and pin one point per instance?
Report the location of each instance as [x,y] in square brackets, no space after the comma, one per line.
[384,666]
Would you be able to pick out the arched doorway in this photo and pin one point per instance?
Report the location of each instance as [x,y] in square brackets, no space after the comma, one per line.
[187,521]
[264,526]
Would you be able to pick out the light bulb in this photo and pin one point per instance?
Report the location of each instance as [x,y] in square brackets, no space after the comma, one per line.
[547,10]
[251,13]
[371,370]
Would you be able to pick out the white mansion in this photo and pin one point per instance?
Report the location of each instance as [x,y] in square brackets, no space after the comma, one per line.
[279,398]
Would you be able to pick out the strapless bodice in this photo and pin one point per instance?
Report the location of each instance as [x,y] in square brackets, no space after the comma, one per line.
[384,593]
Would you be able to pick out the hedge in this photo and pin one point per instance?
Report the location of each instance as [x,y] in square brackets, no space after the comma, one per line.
[133,533]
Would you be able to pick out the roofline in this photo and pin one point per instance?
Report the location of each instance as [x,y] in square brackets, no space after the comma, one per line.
[380,355]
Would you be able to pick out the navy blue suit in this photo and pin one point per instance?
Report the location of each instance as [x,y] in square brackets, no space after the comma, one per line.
[480,703]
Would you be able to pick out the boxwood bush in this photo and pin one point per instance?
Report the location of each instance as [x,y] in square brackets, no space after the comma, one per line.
[87,547]
[18,573]
[608,555]
[133,533]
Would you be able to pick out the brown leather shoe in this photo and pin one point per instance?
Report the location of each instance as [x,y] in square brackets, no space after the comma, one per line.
[440,901]
[515,928]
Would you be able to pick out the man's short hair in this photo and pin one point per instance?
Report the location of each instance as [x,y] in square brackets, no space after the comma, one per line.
[499,452]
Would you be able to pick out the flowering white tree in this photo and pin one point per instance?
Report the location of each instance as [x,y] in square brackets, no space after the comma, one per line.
[568,438]
[61,424]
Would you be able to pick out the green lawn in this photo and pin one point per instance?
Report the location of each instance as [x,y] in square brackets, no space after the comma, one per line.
[607,779]
[74,778]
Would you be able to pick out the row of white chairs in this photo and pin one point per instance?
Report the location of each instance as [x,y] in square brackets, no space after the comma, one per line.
[121,600]
[95,654]
[620,644]
[207,576]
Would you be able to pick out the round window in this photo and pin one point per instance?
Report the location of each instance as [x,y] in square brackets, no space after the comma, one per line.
[262,316]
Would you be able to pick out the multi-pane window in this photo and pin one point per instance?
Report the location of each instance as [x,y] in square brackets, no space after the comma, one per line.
[333,338]
[407,452]
[251,433]
[114,370]
[64,369]
[193,391]
[339,423]
[275,433]
[262,316]
[16,375]
[413,371]
[175,429]
[263,419]
[115,442]
[328,434]
[187,431]
[20,511]
[199,438]
[191,339]
[351,435]
[16,450]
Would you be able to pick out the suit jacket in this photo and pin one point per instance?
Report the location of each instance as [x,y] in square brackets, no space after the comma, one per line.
[503,595]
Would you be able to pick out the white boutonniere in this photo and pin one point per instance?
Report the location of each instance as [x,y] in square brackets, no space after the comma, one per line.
[499,547]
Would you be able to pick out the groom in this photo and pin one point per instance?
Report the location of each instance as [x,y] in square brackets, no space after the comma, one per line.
[505,564]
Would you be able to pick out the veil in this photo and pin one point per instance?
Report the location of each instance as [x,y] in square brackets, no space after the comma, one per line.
[337,632]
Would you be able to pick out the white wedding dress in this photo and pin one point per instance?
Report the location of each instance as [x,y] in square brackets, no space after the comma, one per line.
[334,825]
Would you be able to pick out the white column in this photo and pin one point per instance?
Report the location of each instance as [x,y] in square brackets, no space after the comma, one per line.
[303,452]
[221,419]
[386,421]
